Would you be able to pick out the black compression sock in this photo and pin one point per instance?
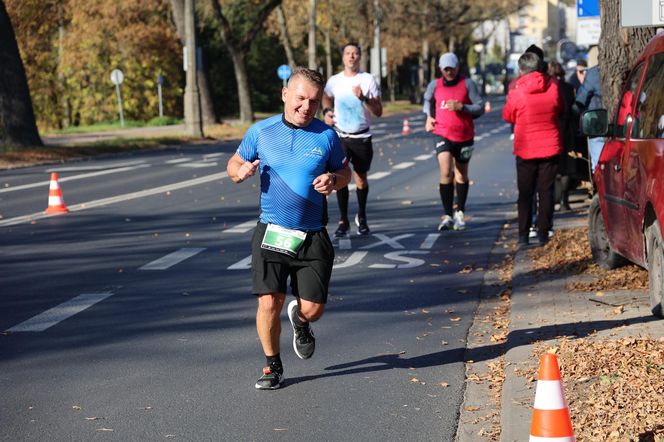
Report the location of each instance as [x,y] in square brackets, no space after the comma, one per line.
[342,199]
[276,359]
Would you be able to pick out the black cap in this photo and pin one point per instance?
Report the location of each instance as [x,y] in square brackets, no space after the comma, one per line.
[536,50]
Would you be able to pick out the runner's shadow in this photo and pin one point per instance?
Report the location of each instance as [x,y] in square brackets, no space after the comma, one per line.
[516,338]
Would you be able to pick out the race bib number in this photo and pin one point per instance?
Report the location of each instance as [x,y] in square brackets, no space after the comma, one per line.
[282,240]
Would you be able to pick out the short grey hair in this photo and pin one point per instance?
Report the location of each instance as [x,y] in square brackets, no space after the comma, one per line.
[530,62]
[313,77]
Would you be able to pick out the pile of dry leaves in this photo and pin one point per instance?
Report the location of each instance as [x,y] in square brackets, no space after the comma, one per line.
[615,388]
[568,252]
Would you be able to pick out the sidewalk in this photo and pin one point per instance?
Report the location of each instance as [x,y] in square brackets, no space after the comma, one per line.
[542,309]
[540,312]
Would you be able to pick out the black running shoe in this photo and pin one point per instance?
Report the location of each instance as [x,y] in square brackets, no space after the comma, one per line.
[342,230]
[271,379]
[362,227]
[304,342]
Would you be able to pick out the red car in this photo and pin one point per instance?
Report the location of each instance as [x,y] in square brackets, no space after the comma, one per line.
[627,212]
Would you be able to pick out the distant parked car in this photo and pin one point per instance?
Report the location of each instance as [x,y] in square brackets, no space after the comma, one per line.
[627,212]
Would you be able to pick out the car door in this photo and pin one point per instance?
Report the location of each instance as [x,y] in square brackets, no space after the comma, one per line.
[610,166]
[642,148]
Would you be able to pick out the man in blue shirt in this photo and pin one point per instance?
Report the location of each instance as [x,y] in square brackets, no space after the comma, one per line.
[300,162]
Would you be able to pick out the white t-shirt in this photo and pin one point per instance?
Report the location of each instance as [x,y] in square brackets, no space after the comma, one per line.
[350,114]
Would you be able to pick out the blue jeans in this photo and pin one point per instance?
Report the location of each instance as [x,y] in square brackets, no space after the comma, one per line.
[595,146]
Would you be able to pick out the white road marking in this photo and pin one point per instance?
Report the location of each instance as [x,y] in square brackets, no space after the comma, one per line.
[430,240]
[392,242]
[423,157]
[178,160]
[242,228]
[212,155]
[119,198]
[198,165]
[378,175]
[75,177]
[405,165]
[245,264]
[59,313]
[98,167]
[352,260]
[168,261]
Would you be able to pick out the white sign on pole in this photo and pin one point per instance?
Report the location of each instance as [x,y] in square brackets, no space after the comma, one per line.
[117,77]
[641,13]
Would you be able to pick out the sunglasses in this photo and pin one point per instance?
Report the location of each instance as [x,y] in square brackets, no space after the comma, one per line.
[581,71]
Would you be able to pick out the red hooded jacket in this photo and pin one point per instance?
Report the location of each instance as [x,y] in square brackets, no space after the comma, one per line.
[533,106]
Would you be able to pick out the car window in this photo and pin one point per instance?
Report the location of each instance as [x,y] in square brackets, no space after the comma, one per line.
[650,104]
[625,105]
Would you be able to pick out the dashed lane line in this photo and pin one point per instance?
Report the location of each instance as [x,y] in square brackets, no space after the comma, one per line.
[59,313]
[72,178]
[119,198]
[168,261]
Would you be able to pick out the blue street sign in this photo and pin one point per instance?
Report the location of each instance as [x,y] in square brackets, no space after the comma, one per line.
[284,72]
[587,8]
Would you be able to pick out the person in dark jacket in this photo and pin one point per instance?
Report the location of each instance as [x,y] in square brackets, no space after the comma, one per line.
[589,97]
[568,164]
[533,105]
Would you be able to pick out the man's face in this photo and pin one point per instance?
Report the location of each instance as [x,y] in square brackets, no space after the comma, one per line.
[351,58]
[301,100]
[450,73]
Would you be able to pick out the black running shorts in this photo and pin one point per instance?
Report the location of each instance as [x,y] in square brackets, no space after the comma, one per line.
[309,271]
[460,151]
[359,152]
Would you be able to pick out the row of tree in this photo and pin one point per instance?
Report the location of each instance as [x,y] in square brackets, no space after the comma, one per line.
[69,47]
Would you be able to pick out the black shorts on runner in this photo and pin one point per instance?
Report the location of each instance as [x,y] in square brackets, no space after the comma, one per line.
[309,271]
[462,152]
[359,152]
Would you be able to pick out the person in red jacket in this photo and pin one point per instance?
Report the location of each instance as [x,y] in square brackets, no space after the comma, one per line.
[533,106]
[451,103]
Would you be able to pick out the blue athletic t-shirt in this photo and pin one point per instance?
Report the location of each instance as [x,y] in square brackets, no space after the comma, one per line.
[290,159]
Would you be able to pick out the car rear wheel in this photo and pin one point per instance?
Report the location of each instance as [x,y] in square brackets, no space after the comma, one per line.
[655,250]
[603,254]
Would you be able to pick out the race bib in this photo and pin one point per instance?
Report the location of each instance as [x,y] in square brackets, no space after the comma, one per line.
[282,240]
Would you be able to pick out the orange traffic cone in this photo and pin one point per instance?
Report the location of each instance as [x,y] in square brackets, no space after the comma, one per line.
[551,421]
[55,202]
[406,128]
[487,106]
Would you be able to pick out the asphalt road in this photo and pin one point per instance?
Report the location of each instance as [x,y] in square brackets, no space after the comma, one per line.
[130,317]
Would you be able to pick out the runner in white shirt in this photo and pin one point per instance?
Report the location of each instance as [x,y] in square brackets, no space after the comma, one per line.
[351,98]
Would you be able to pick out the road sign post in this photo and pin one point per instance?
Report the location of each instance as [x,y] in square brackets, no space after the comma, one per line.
[117,77]
[284,72]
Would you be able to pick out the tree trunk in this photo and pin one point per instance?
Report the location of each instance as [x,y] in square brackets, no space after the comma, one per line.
[328,54]
[312,35]
[243,86]
[17,118]
[618,49]
[364,60]
[284,37]
[238,45]
[208,113]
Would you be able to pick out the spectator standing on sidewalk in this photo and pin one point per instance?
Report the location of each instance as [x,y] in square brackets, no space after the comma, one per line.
[301,162]
[533,105]
[351,98]
[451,103]
[576,79]
[567,165]
[589,97]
